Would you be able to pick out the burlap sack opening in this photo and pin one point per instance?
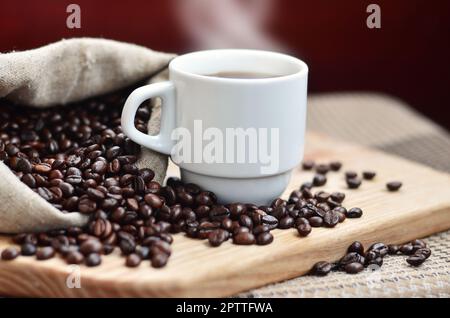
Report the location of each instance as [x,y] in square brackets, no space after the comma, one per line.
[61,73]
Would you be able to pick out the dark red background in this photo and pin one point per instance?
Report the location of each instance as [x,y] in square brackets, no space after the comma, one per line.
[407,57]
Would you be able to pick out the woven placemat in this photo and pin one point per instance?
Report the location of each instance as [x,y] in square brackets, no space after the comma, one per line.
[388,124]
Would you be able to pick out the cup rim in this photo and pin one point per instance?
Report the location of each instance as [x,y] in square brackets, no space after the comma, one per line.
[174,66]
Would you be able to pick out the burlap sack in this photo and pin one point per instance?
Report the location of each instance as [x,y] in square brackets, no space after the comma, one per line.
[57,74]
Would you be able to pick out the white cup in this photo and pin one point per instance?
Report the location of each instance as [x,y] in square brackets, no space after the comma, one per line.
[270,110]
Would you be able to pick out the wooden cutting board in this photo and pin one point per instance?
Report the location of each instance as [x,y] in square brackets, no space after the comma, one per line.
[420,208]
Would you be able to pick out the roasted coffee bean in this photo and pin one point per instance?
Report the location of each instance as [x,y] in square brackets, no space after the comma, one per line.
[354,213]
[322,168]
[307,164]
[45,253]
[335,165]
[74,257]
[286,223]
[264,238]
[353,268]
[270,221]
[246,221]
[260,229]
[350,175]
[369,175]
[426,252]
[417,244]
[245,238]
[337,196]
[218,213]
[321,268]
[356,247]
[379,248]
[353,183]
[42,168]
[217,237]
[91,246]
[304,229]
[393,185]
[87,206]
[28,249]
[351,257]
[9,254]
[133,260]
[322,196]
[319,180]
[205,198]
[93,259]
[331,219]
[315,221]
[407,249]
[153,200]
[393,249]
[416,260]
[24,165]
[159,260]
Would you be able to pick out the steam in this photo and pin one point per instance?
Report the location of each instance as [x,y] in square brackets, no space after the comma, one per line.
[214,24]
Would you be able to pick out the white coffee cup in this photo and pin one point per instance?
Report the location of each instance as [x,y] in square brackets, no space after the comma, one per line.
[261,107]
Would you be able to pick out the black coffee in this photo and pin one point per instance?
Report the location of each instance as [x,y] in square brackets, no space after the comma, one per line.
[243,75]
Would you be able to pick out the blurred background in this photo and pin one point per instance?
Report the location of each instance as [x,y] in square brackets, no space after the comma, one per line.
[408,57]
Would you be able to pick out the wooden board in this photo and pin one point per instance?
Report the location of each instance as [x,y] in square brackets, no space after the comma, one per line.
[420,208]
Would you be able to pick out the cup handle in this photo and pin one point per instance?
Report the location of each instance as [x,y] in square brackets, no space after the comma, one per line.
[162,142]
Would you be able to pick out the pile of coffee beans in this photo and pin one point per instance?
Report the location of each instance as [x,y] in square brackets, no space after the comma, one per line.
[351,177]
[79,160]
[356,259]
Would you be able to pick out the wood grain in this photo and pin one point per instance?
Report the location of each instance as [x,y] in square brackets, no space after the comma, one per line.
[420,208]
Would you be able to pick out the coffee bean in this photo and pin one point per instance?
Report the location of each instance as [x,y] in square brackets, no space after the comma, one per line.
[321,268]
[319,180]
[416,260]
[322,168]
[93,259]
[351,257]
[315,221]
[28,249]
[379,248]
[217,237]
[331,219]
[23,165]
[353,183]
[351,175]
[335,165]
[353,268]
[393,249]
[244,239]
[393,185]
[337,196]
[307,164]
[354,213]
[159,260]
[264,238]
[74,257]
[91,246]
[45,253]
[426,252]
[356,247]
[87,206]
[286,223]
[304,229]
[417,244]
[9,254]
[133,260]
[153,200]
[407,249]
[270,221]
[369,175]
[42,168]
